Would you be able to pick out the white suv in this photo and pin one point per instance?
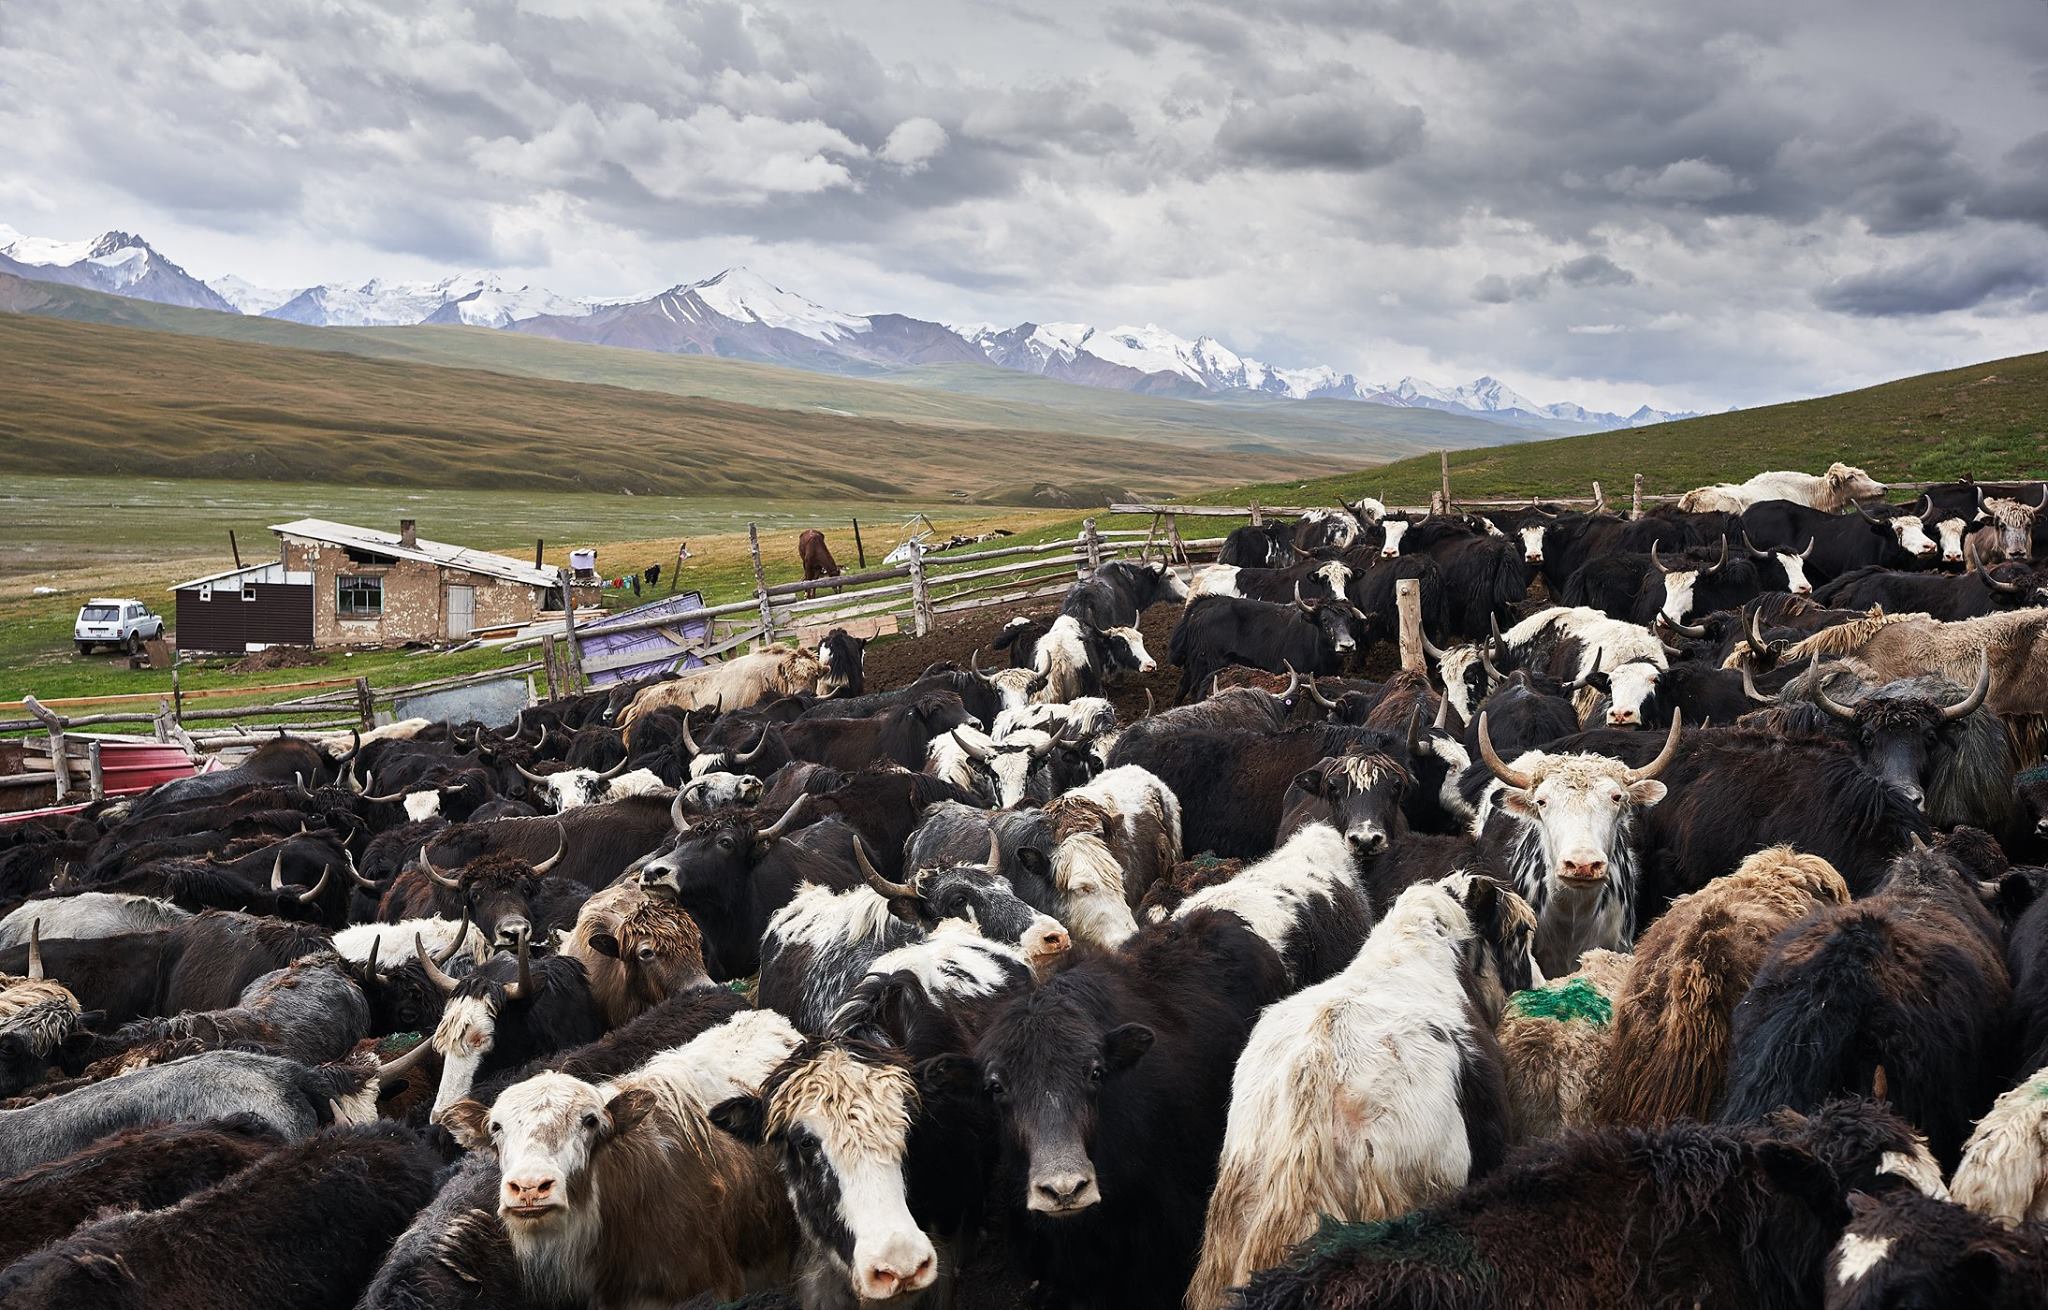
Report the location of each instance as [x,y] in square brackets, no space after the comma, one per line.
[124,623]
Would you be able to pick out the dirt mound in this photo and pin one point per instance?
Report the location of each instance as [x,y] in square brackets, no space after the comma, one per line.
[277,657]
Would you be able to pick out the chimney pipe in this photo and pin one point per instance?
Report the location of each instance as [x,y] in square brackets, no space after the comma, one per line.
[408,536]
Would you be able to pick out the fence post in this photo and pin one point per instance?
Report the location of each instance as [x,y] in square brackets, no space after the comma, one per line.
[366,704]
[1091,541]
[1636,499]
[761,585]
[1408,600]
[1256,520]
[1443,458]
[858,549]
[920,596]
[177,697]
[163,718]
[59,765]
[97,779]
[547,663]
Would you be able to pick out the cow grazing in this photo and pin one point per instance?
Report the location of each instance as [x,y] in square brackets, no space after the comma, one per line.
[135,1169]
[1555,1043]
[1112,1079]
[1375,1092]
[284,1094]
[595,1192]
[1687,1215]
[2004,1171]
[1899,992]
[1902,1248]
[305,1227]
[1570,843]
[1842,486]
[1306,900]
[1693,966]
[815,555]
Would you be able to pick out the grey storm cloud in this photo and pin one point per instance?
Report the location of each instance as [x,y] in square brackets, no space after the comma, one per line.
[1690,204]
[1936,284]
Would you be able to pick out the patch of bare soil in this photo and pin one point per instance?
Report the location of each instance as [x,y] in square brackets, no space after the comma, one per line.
[277,657]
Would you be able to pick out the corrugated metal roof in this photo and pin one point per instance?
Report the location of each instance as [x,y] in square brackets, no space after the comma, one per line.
[432,552]
[265,567]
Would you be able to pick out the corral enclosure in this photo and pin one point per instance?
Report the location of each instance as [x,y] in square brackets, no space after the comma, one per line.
[1281,885]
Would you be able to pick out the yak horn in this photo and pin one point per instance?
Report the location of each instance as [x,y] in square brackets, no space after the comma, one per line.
[1830,704]
[676,813]
[1512,777]
[974,663]
[1414,737]
[356,877]
[370,962]
[543,739]
[1664,757]
[277,872]
[1299,603]
[1689,629]
[434,973]
[613,771]
[354,784]
[518,727]
[307,898]
[689,738]
[1749,687]
[891,890]
[1751,546]
[1922,506]
[1724,555]
[522,987]
[299,783]
[1433,650]
[1970,702]
[376,800]
[748,756]
[529,774]
[1443,712]
[35,950]
[1655,560]
[1148,704]
[452,884]
[1293,680]
[774,831]
[1315,694]
[995,850]
[561,844]
[1493,675]
[397,1065]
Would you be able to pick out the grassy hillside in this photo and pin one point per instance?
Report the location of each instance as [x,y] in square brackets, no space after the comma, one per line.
[90,399]
[1989,419]
[954,396]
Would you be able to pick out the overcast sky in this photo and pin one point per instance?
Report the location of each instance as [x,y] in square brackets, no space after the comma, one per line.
[1692,202]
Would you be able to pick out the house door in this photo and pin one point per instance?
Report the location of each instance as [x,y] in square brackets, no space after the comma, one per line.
[461,610]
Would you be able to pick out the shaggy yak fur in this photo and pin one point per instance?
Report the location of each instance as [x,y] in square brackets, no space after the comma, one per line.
[1902,993]
[1557,1042]
[305,1227]
[138,1169]
[2004,1173]
[1669,1058]
[1905,1250]
[1687,1217]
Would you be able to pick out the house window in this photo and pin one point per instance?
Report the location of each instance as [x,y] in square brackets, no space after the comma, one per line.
[248,591]
[358,597]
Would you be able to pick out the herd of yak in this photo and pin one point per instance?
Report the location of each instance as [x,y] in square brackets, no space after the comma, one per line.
[1676,937]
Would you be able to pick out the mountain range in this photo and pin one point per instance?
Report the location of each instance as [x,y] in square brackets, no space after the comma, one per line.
[738,314]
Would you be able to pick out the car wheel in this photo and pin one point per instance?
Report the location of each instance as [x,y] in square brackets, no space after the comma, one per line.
[135,643]
[85,648]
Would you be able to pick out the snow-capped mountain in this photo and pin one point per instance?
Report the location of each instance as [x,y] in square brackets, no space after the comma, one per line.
[739,314]
[115,262]
[476,299]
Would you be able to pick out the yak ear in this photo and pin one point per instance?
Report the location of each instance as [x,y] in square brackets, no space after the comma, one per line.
[629,1108]
[742,1116]
[1125,1046]
[1032,860]
[949,1074]
[605,944]
[913,910]
[1803,1176]
[1309,781]
[469,1120]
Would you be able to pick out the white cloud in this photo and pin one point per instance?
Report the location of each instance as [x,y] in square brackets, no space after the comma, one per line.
[913,142]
